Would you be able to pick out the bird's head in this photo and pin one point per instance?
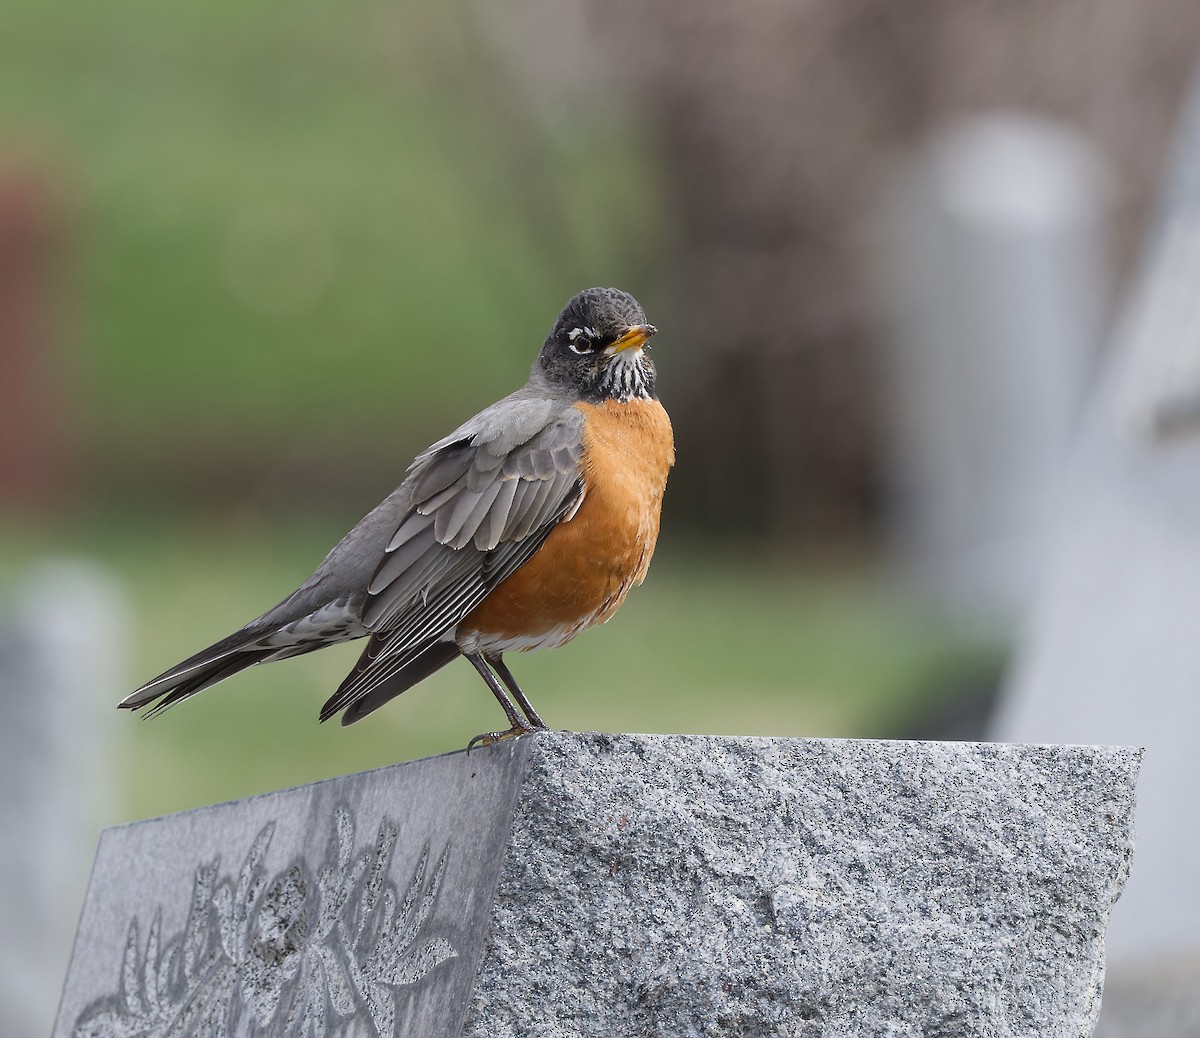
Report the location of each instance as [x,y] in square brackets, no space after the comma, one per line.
[596,350]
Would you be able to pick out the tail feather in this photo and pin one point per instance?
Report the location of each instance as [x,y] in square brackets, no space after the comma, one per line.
[429,660]
[202,678]
[225,657]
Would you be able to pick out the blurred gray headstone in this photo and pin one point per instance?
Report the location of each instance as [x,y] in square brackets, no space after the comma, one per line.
[995,266]
[1113,647]
[621,885]
[60,660]
[1152,999]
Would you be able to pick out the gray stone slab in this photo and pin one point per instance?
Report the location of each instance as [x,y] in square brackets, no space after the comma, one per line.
[702,886]
[1111,650]
[588,885]
[353,906]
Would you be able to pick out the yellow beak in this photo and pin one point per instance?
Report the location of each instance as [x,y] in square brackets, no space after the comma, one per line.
[633,338]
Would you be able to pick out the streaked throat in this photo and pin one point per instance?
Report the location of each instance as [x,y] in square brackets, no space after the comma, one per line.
[629,375]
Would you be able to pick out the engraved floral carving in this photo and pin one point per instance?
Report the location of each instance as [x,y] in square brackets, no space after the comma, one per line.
[290,955]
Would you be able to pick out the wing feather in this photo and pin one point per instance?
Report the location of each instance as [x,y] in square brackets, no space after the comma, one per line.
[390,650]
[524,493]
[457,522]
[412,590]
[538,508]
[408,529]
[442,471]
[477,504]
[484,469]
[430,505]
[480,503]
[490,528]
[401,559]
[521,464]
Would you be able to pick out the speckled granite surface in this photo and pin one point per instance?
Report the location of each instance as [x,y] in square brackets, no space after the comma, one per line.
[621,885]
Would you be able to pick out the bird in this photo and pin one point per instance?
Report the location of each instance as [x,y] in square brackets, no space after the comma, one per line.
[525,526]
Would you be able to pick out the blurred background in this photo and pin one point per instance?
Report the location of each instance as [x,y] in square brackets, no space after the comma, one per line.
[254,256]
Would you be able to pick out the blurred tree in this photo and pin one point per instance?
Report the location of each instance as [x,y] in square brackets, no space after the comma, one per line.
[777,121]
[33,390]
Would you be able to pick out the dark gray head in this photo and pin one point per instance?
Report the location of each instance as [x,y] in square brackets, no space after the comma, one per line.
[597,348]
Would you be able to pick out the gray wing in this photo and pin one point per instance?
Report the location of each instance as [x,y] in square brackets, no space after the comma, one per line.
[478,504]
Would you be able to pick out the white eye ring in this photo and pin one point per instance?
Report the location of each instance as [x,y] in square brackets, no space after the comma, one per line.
[576,333]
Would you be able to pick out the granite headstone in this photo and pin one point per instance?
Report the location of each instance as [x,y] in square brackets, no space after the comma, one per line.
[1112,650]
[995,273]
[620,885]
[57,679]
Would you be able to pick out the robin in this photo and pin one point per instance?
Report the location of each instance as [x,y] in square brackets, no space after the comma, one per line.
[526,525]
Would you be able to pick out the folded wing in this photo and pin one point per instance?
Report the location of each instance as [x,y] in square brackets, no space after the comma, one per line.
[481,502]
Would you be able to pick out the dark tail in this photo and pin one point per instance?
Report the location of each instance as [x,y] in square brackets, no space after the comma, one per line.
[429,660]
[207,667]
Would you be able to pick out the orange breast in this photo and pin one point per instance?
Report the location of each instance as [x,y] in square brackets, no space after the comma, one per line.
[588,564]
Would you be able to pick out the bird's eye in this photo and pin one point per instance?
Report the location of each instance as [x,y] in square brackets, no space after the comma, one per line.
[581,340]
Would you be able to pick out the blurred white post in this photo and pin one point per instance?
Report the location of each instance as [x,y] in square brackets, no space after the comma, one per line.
[995,265]
[1112,653]
[62,640]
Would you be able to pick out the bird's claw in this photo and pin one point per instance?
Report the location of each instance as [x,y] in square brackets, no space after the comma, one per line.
[491,738]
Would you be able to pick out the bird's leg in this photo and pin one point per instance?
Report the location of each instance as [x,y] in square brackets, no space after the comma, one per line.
[519,727]
[497,664]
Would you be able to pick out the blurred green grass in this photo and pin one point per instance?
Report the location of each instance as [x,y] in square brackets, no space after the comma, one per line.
[716,641]
[303,229]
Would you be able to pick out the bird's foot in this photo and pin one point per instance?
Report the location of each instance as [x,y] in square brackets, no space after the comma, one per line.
[491,738]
